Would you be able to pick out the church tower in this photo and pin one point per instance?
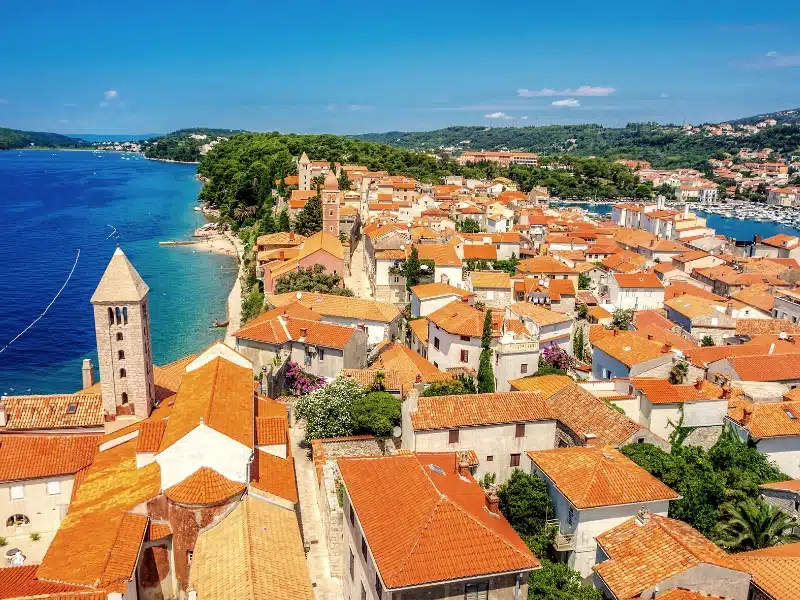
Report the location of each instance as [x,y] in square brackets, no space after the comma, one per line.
[122,327]
[330,205]
[304,173]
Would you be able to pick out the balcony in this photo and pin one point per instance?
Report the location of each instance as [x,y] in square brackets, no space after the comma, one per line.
[517,347]
[563,542]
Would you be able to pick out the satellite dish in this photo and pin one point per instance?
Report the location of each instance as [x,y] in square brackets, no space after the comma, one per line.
[299,295]
[397,431]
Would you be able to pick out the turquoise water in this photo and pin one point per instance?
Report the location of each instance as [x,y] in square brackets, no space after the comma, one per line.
[51,204]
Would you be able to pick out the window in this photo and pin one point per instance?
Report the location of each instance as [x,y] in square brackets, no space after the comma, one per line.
[124,397]
[72,408]
[321,354]
[125,315]
[189,556]
[352,563]
[453,436]
[17,492]
[466,338]
[122,374]
[523,368]
[110,316]
[119,315]
[352,516]
[790,414]
[515,460]
[464,356]
[436,343]
[378,586]
[520,430]
[17,521]
[571,516]
[476,591]
[363,592]
[364,547]
[121,354]
[435,364]
[119,335]
[53,488]
[489,458]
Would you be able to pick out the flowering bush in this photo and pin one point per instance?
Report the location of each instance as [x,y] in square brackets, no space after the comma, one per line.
[558,358]
[328,410]
[301,382]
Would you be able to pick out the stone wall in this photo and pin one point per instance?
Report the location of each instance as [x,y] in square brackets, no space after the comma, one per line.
[324,454]
[705,437]
[155,577]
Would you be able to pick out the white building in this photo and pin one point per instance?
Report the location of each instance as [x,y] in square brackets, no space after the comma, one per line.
[430,297]
[548,326]
[637,291]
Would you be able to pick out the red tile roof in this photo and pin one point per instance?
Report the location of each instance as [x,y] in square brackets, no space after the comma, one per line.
[271,430]
[775,570]
[204,487]
[53,411]
[661,391]
[443,412]
[32,457]
[150,434]
[437,519]
[21,582]
[638,281]
[274,475]
[480,252]
[769,367]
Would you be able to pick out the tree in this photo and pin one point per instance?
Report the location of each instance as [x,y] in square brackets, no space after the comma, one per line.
[252,303]
[445,388]
[583,311]
[678,373]
[485,371]
[753,524]
[313,279]
[557,581]
[508,265]
[525,503]
[584,281]
[469,226]
[344,182]
[706,341]
[578,343]
[328,410]
[411,269]
[284,223]
[309,219]
[622,318]
[375,413]
[558,358]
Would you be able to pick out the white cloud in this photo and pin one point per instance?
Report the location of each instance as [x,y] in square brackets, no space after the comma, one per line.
[771,60]
[525,118]
[772,54]
[3,101]
[664,95]
[584,90]
[498,115]
[569,102]
[110,94]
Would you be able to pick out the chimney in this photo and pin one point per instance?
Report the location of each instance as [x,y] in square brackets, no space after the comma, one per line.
[771,348]
[291,236]
[643,516]
[192,595]
[698,384]
[666,348]
[729,309]
[747,413]
[492,502]
[649,336]
[87,373]
[615,332]
[463,464]
[361,327]
[2,414]
[303,333]
[726,390]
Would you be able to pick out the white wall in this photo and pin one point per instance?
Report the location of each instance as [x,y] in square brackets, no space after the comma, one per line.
[450,347]
[204,447]
[453,274]
[43,510]
[636,298]
[784,452]
[496,441]
[376,330]
[695,414]
[430,305]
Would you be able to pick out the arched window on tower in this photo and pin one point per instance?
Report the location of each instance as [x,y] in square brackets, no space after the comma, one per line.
[122,374]
[119,335]
[125,315]
[121,354]
[110,316]
[118,312]
[124,397]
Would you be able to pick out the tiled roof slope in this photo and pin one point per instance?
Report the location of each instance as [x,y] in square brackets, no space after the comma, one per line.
[263,557]
[643,555]
[274,475]
[768,419]
[31,457]
[443,412]
[51,411]
[594,477]
[93,529]
[585,414]
[775,570]
[219,394]
[20,582]
[628,348]
[437,289]
[546,385]
[768,367]
[339,306]
[438,528]
[661,391]
[204,487]
[270,430]
[150,434]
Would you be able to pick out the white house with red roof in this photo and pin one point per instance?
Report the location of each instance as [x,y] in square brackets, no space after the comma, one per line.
[637,291]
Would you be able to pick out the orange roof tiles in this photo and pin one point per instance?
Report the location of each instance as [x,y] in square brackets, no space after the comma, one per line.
[629,348]
[775,570]
[150,434]
[157,531]
[204,487]
[651,318]
[339,306]
[594,477]
[762,326]
[644,555]
[458,318]
[444,412]
[443,255]
[546,385]
[437,519]
[274,475]
[637,281]
[32,457]
[408,365]
[480,252]
[427,291]
[55,411]
[21,582]
[218,394]
[768,367]
[328,335]
[420,329]
[270,430]
[96,526]
[768,419]
[543,264]
[490,279]
[661,391]
[541,316]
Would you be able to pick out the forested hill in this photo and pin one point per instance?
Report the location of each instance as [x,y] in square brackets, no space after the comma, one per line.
[185,145]
[663,146]
[14,138]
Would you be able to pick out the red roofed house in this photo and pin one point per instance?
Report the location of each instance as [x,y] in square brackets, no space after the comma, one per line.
[594,489]
[498,427]
[441,538]
[778,246]
[639,291]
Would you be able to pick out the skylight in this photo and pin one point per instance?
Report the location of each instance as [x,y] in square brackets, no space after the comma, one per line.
[72,408]
[436,469]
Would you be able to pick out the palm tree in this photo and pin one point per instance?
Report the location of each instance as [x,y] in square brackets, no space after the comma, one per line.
[753,524]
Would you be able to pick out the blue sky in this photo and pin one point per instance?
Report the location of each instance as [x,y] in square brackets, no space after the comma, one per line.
[134,67]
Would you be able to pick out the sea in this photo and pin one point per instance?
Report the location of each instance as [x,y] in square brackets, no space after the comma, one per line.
[54,204]
[735,228]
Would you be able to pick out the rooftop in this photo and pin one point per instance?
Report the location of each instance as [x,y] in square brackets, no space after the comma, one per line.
[629,348]
[339,306]
[444,412]
[33,457]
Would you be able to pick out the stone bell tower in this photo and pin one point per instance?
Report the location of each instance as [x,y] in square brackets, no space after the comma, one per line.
[122,327]
[330,205]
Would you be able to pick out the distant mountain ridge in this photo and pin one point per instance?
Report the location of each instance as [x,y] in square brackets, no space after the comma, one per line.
[14,138]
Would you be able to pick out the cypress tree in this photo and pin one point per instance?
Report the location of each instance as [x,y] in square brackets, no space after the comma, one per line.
[283,221]
[309,220]
[411,269]
[485,372]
